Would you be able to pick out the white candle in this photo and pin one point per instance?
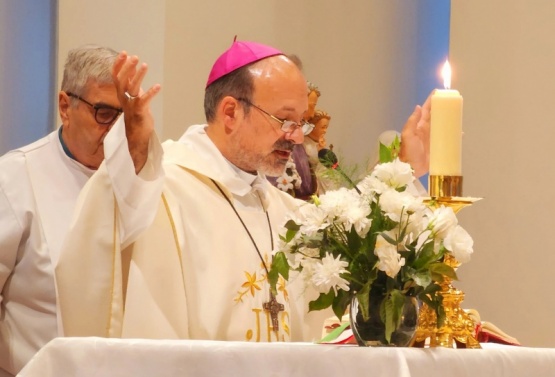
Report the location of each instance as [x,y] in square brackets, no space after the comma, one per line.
[446,129]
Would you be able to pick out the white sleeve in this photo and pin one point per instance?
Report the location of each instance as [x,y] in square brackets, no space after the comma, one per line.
[113,209]
[137,196]
[10,235]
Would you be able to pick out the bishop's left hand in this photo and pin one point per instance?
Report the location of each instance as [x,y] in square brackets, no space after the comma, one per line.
[415,139]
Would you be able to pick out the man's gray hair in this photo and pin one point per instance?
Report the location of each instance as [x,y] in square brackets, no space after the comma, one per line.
[87,63]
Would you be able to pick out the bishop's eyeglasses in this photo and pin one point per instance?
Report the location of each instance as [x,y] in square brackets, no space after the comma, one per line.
[103,114]
[287,126]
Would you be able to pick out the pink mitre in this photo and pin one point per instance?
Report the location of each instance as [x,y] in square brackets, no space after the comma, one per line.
[239,55]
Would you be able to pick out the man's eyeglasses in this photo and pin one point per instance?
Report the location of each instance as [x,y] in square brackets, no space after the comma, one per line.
[287,126]
[103,114]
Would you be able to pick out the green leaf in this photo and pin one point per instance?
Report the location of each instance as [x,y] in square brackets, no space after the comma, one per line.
[289,235]
[391,312]
[398,300]
[439,270]
[292,229]
[322,302]
[363,297]
[385,154]
[429,295]
[390,152]
[426,256]
[422,278]
[341,302]
[292,225]
[280,266]
[388,238]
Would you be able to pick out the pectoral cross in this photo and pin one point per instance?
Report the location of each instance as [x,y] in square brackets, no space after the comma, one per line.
[273,307]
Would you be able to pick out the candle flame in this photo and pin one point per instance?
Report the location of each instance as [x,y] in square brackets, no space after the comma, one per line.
[446,73]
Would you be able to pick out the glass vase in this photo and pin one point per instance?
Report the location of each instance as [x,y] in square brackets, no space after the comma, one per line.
[372,332]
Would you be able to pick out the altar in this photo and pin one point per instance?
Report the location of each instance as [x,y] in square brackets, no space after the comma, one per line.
[87,357]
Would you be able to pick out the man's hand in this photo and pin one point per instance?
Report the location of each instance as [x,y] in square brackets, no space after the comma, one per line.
[139,122]
[415,139]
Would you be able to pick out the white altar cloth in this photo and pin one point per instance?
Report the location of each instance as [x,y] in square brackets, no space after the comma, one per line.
[88,357]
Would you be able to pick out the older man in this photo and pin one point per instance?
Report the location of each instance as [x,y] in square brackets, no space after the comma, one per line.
[199,271]
[39,184]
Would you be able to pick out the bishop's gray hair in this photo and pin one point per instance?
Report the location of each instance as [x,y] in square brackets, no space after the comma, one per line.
[85,64]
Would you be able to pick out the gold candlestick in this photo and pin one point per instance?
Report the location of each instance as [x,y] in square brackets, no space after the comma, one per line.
[445,186]
[458,328]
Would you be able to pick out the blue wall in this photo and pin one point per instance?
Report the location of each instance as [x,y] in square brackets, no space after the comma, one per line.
[27,70]
[433,46]
[433,43]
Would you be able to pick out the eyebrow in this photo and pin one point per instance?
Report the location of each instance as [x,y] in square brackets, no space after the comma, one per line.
[103,104]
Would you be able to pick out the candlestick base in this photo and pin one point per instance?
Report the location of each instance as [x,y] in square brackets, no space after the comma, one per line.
[458,329]
[445,186]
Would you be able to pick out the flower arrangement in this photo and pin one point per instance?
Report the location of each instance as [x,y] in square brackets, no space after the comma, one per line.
[375,240]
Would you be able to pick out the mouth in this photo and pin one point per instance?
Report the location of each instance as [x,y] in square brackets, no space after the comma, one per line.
[283,153]
[283,149]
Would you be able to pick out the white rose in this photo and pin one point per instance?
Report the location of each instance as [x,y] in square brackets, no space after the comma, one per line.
[396,174]
[395,204]
[459,243]
[442,221]
[418,223]
[390,260]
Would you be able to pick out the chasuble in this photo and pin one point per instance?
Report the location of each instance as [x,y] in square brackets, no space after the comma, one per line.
[180,263]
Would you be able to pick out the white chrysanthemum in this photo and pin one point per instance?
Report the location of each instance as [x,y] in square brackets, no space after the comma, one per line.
[395,204]
[326,274]
[390,260]
[442,221]
[348,208]
[311,218]
[396,174]
[334,202]
[370,186]
[459,243]
[357,217]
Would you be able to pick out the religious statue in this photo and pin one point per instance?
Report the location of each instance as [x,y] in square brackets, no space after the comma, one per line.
[316,140]
[299,178]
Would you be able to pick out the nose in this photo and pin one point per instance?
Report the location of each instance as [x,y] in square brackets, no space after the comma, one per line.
[296,136]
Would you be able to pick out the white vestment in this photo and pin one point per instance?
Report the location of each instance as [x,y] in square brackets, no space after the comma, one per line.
[194,272]
[39,185]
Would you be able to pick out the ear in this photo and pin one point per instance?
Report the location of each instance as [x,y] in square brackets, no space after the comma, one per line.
[64,104]
[230,112]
